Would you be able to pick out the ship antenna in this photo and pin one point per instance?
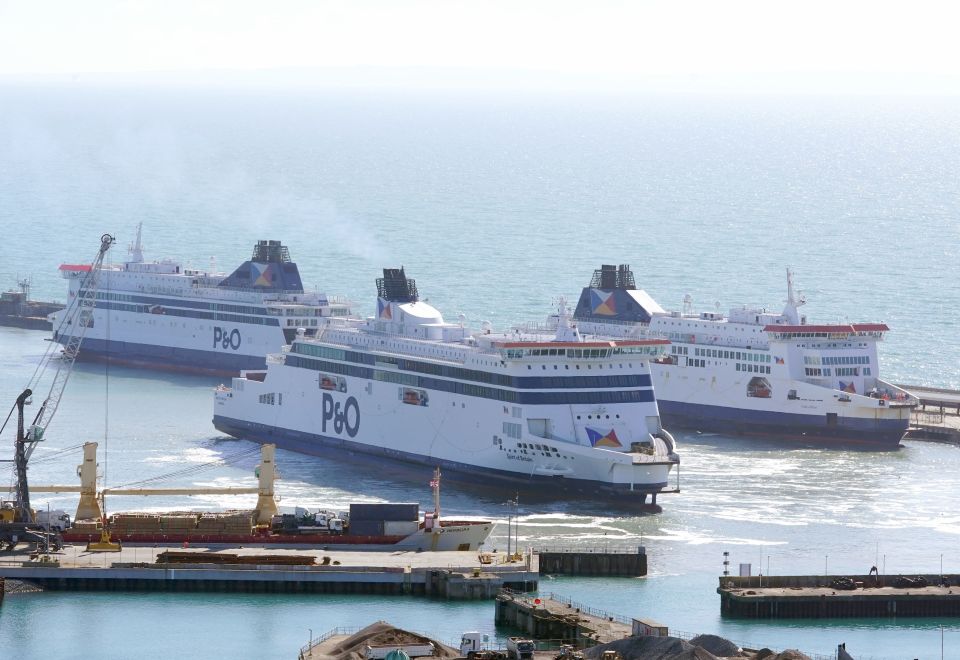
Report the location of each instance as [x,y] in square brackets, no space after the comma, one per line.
[435,484]
[136,250]
[792,301]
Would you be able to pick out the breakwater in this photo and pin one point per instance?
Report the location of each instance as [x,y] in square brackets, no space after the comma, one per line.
[452,575]
[626,562]
[831,596]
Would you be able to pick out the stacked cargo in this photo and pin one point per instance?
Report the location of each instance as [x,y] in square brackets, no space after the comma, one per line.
[174,557]
[229,523]
[177,523]
[368,519]
[135,523]
[87,526]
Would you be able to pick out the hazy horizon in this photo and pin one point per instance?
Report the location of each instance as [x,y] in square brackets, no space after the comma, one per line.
[751,46]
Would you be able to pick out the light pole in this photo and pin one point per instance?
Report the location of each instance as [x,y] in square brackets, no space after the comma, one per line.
[516,523]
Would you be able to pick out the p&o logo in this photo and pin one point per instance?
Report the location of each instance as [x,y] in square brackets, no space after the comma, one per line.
[226,338]
[345,416]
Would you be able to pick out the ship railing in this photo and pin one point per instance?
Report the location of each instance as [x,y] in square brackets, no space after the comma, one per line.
[605,549]
[895,393]
[564,600]
[333,632]
[534,326]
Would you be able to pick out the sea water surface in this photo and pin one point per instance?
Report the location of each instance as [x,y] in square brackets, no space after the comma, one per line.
[496,205]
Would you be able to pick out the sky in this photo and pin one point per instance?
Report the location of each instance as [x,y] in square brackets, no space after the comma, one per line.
[906,46]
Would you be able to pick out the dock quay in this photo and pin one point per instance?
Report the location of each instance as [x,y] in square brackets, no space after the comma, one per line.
[937,418]
[832,596]
[604,561]
[453,575]
[556,617]
[18,311]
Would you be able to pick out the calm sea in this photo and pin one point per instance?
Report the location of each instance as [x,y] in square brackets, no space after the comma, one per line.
[497,205]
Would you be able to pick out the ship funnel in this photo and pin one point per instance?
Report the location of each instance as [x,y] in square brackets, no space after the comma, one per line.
[270,252]
[613,277]
[394,286]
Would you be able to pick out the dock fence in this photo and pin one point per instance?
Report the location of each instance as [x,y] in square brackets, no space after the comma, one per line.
[339,630]
[607,548]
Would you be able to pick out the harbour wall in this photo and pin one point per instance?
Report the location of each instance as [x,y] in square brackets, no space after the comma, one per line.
[609,563]
[453,583]
[821,597]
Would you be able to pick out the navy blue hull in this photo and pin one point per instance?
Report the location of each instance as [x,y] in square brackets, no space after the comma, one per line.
[318,445]
[183,360]
[875,433]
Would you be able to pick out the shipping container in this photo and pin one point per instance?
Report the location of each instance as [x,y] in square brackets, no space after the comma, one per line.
[400,527]
[366,528]
[384,511]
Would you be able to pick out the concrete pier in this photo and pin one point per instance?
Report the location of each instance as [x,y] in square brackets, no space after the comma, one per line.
[600,562]
[558,618]
[819,597]
[937,418]
[455,575]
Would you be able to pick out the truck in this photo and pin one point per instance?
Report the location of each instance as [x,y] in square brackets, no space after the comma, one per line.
[57,520]
[520,648]
[304,522]
[475,645]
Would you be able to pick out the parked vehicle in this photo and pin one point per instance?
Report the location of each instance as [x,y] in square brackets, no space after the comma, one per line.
[520,648]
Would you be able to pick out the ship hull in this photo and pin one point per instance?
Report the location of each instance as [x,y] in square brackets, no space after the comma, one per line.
[454,536]
[327,446]
[176,359]
[860,431]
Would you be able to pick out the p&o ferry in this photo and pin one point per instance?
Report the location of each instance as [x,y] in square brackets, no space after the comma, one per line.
[163,315]
[753,371]
[554,409]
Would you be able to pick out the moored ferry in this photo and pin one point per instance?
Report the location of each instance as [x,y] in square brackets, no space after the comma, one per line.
[556,410]
[756,372]
[163,315]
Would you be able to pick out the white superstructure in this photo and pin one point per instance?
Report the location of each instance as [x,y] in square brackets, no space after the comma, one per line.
[560,410]
[754,371]
[162,314]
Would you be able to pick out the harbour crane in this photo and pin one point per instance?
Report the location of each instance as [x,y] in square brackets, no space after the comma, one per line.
[17,520]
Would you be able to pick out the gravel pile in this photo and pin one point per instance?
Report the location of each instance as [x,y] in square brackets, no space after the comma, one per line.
[702,647]
[718,646]
[651,648]
[382,633]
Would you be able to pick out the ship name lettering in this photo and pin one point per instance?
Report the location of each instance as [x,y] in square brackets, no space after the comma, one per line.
[226,338]
[340,414]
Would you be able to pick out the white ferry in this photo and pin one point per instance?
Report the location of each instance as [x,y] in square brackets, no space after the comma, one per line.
[756,372]
[558,410]
[163,315]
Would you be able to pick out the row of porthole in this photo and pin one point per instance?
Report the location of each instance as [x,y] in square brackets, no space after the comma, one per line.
[577,366]
[543,453]
[598,416]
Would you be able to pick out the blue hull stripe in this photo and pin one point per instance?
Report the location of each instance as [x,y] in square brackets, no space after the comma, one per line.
[169,358]
[319,445]
[880,432]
